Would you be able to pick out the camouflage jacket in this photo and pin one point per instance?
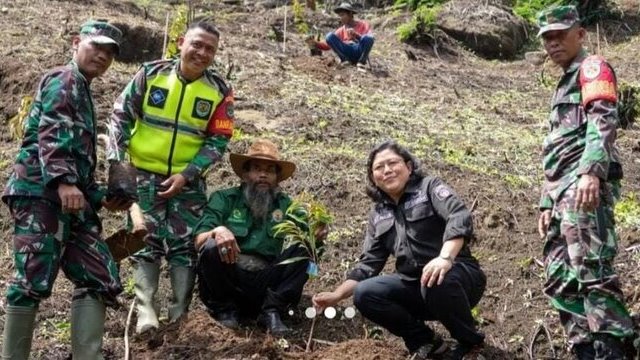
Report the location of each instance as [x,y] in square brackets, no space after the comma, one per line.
[59,139]
[128,109]
[582,127]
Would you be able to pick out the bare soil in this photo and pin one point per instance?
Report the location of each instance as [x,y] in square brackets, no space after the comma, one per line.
[478,124]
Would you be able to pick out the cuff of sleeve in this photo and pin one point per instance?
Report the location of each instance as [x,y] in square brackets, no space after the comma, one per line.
[599,170]
[357,275]
[190,173]
[545,203]
[95,197]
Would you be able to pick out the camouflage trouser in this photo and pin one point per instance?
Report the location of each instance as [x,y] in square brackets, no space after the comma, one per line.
[46,239]
[581,281]
[170,222]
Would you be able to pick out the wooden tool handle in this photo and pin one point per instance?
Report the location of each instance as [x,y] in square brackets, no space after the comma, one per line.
[137,220]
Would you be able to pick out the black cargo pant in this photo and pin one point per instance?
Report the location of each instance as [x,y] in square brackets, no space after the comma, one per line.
[402,306]
[227,287]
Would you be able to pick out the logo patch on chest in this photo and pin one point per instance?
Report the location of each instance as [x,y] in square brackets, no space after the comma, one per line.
[277,215]
[202,109]
[157,97]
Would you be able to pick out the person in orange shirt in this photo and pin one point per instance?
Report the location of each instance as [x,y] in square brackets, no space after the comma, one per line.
[352,41]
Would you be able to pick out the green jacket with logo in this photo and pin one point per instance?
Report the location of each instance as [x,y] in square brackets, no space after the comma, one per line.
[228,208]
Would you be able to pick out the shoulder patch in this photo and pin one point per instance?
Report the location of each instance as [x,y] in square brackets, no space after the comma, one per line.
[442,192]
[597,81]
[221,122]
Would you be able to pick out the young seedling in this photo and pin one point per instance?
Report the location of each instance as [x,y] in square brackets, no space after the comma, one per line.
[305,225]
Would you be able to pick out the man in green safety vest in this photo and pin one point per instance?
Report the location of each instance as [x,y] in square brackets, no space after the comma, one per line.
[174,120]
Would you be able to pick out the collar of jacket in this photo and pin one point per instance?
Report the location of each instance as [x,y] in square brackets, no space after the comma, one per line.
[575,65]
[410,189]
[76,69]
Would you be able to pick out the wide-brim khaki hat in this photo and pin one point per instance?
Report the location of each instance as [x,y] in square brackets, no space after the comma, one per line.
[262,149]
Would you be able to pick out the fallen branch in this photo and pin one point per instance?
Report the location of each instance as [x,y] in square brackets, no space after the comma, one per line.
[126,330]
[325,342]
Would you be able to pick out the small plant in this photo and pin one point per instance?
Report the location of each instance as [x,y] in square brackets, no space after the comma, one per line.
[176,29]
[627,211]
[303,221]
[61,330]
[16,123]
[130,286]
[298,17]
[628,104]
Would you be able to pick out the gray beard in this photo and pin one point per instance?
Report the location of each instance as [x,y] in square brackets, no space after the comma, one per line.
[259,201]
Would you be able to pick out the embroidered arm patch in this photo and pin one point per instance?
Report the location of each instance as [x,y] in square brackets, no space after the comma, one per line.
[597,81]
[442,192]
[221,122]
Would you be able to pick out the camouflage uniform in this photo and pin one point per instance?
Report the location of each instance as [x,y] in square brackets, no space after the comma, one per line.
[581,245]
[168,125]
[171,221]
[58,145]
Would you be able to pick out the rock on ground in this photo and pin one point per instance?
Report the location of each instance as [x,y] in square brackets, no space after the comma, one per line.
[487,29]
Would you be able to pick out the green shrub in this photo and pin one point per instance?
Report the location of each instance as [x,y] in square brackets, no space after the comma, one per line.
[423,22]
[415,4]
[528,9]
[590,10]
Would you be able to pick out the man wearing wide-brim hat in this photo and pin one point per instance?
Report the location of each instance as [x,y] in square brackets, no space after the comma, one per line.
[238,273]
[352,41]
[582,179]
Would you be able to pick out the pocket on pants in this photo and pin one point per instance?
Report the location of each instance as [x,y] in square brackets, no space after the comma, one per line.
[36,262]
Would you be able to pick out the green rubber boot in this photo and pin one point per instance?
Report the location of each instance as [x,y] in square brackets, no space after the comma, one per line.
[87,328]
[146,276]
[18,332]
[182,281]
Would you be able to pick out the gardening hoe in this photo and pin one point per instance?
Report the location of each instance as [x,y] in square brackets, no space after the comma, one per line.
[123,243]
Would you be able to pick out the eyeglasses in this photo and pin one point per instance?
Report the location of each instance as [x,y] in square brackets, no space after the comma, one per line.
[391,163]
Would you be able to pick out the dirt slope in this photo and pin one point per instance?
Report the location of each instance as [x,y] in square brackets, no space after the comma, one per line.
[476,123]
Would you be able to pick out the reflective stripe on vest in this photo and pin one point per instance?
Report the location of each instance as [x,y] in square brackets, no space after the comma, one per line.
[174,123]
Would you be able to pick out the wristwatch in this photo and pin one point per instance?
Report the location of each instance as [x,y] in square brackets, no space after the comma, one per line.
[448,257]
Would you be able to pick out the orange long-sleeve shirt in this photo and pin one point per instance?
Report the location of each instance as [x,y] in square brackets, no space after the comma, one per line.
[361,27]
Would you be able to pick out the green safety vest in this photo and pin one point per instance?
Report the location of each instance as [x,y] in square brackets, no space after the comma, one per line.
[174,123]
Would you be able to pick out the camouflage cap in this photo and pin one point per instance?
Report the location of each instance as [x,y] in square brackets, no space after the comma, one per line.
[101,32]
[557,18]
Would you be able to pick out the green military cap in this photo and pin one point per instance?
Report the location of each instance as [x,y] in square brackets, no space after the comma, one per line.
[101,32]
[557,18]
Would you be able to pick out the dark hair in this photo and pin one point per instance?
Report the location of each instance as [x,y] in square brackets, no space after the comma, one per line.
[205,24]
[416,175]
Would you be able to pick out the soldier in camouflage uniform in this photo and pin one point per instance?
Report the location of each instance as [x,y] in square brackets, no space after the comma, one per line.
[54,200]
[582,175]
[174,119]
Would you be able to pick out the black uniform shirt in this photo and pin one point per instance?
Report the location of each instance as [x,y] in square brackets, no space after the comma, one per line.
[428,214]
